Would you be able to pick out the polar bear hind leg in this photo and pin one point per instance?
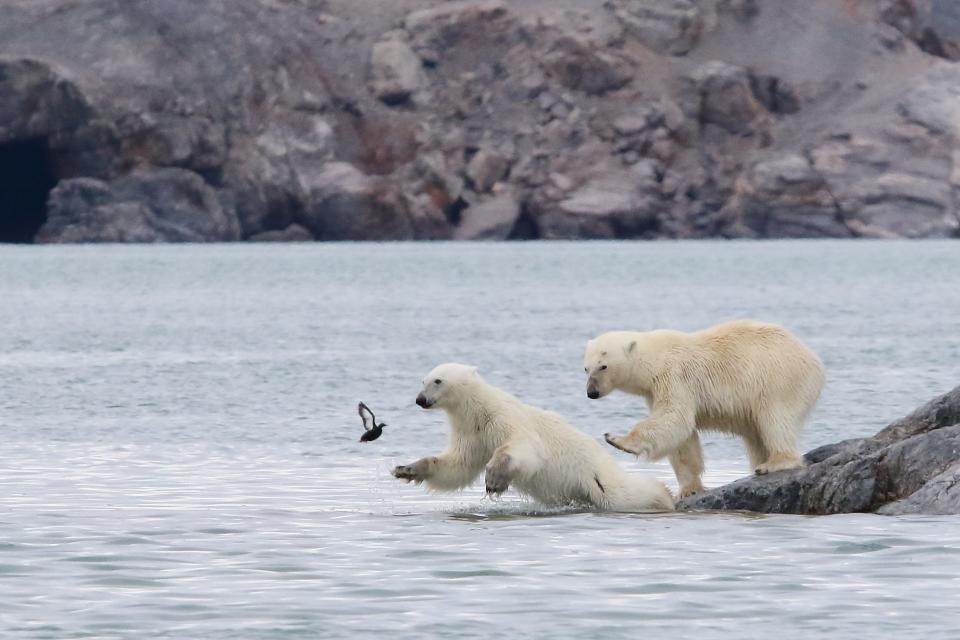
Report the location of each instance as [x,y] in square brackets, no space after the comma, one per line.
[779,433]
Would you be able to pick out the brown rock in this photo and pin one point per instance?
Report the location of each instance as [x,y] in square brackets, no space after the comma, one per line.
[577,64]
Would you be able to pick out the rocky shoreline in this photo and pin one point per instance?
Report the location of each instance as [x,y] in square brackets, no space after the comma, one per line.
[271,120]
[910,467]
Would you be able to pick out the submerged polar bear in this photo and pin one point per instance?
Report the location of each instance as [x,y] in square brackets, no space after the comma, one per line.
[752,379]
[537,451]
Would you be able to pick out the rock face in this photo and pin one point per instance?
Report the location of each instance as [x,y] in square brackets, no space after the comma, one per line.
[364,119]
[170,205]
[911,466]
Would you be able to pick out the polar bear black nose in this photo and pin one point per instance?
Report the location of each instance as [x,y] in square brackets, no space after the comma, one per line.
[422,401]
[593,394]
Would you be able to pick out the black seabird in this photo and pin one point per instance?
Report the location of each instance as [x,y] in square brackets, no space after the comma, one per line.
[372,430]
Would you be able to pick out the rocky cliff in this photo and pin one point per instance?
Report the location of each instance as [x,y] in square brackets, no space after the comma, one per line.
[911,466]
[173,120]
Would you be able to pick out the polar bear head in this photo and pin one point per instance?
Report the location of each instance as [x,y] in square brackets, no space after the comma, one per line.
[445,385]
[608,360]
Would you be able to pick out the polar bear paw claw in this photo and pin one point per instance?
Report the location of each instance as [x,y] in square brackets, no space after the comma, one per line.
[616,441]
[496,483]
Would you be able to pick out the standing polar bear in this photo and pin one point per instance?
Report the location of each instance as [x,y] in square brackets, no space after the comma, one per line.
[537,451]
[751,379]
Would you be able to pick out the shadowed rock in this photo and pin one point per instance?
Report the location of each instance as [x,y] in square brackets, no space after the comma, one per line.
[911,466]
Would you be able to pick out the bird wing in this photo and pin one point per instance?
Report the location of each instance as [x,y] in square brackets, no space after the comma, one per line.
[369,420]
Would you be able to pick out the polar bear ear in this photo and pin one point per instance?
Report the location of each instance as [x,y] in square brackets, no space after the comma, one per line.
[473,371]
[630,347]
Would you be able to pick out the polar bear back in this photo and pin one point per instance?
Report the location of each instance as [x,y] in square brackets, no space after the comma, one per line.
[739,368]
[732,372]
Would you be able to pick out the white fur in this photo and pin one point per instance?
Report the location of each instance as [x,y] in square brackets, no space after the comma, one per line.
[535,451]
[752,379]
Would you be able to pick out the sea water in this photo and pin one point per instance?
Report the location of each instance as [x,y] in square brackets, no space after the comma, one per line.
[179,454]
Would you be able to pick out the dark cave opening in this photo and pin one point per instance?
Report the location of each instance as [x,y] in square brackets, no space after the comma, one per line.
[26,178]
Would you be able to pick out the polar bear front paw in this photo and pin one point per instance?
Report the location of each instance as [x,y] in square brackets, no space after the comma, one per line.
[624,443]
[686,492]
[616,441]
[496,480]
[414,472]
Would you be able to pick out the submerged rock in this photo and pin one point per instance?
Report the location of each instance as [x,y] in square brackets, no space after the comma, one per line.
[911,466]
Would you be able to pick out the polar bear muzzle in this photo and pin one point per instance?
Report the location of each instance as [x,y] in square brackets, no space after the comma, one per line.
[423,402]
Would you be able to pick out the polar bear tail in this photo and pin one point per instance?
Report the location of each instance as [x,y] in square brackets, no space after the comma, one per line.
[639,493]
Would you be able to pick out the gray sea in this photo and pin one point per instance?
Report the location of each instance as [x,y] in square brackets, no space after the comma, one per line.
[180,460]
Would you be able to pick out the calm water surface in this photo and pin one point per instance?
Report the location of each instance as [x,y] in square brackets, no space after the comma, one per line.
[179,456]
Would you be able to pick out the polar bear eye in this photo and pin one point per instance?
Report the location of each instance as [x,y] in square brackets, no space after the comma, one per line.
[603,368]
[437,381]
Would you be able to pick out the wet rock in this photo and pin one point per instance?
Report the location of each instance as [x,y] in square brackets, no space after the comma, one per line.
[162,205]
[396,72]
[911,466]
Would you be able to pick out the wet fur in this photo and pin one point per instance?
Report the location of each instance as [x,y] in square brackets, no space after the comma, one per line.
[535,451]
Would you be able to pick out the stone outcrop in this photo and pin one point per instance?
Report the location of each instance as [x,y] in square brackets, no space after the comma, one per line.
[165,205]
[363,119]
[911,466]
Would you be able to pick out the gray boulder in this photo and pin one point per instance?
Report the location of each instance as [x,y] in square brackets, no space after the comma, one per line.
[911,466]
[441,28]
[492,219]
[396,72]
[614,204]
[346,204]
[666,26]
[578,64]
[486,168]
[162,205]
[726,97]
[933,24]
